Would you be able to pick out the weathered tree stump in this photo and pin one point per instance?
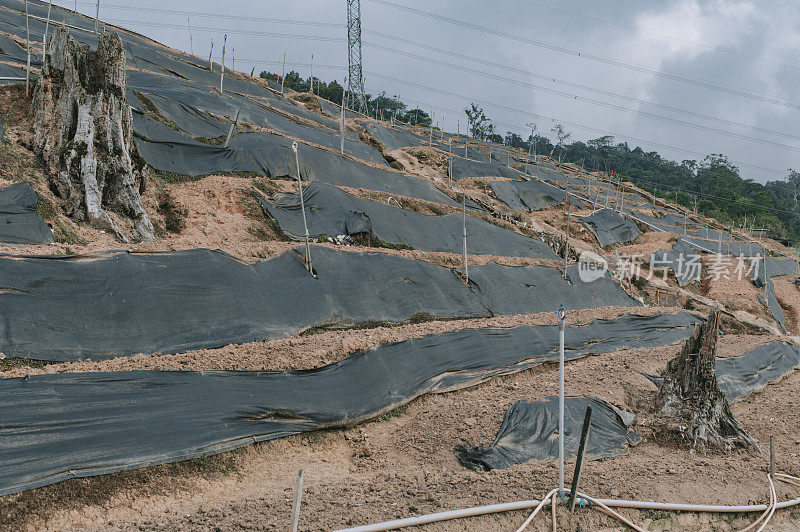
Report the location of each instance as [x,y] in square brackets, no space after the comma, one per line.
[690,398]
[83,128]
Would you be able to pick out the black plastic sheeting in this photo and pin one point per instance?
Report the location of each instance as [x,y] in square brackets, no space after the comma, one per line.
[531,195]
[2,131]
[120,304]
[739,377]
[272,156]
[682,260]
[611,228]
[19,221]
[393,138]
[512,291]
[55,427]
[468,168]
[769,299]
[530,432]
[331,212]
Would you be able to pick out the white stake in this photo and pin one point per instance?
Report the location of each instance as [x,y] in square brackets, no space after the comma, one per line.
[464,225]
[28,47]
[450,163]
[561,315]
[191,41]
[210,64]
[283,74]
[238,111]
[311,83]
[298,496]
[96,16]
[233,57]
[303,208]
[222,66]
[46,29]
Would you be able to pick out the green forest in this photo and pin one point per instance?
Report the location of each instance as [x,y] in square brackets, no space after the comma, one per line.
[713,185]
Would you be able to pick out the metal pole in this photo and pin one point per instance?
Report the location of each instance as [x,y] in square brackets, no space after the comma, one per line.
[210,63]
[46,29]
[464,226]
[561,315]
[233,59]
[298,496]
[587,419]
[283,72]
[222,66]
[28,47]
[96,16]
[191,41]
[311,82]
[303,208]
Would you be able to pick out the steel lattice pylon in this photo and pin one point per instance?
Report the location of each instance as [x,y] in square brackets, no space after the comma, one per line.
[355,74]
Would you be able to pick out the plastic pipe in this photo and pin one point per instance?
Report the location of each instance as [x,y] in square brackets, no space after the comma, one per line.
[561,316]
[522,505]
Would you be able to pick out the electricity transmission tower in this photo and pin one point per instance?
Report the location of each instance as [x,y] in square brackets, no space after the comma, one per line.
[355,74]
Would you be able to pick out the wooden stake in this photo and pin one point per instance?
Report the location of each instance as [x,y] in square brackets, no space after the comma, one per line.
[96,16]
[211,64]
[587,419]
[298,496]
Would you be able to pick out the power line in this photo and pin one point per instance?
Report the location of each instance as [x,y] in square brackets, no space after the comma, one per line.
[587,100]
[551,79]
[593,57]
[661,35]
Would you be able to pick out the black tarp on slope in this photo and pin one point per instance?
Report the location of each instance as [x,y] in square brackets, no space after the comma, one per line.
[272,156]
[530,195]
[611,228]
[468,168]
[741,376]
[55,427]
[507,290]
[683,260]
[195,108]
[769,299]
[331,212]
[19,221]
[393,138]
[118,304]
[530,432]
[2,131]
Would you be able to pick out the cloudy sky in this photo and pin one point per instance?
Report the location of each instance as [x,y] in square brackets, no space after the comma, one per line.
[682,77]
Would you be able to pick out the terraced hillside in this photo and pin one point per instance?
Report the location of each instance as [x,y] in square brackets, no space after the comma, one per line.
[182,382]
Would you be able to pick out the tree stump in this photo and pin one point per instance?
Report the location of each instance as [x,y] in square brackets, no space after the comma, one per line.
[690,398]
[83,128]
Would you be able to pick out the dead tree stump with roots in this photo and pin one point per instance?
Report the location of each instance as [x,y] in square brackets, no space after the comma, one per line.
[691,401]
[83,128]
